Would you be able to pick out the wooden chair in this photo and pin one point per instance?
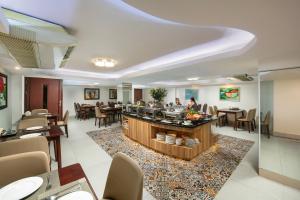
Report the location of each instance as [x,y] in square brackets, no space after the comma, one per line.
[65,122]
[76,111]
[124,180]
[99,116]
[249,120]
[265,124]
[37,111]
[83,114]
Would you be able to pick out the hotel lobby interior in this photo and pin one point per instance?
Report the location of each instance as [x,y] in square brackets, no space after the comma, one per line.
[131,100]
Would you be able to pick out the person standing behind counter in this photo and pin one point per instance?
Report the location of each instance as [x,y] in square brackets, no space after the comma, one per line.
[192,105]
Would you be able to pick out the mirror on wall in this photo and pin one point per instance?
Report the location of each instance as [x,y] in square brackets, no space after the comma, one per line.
[280,125]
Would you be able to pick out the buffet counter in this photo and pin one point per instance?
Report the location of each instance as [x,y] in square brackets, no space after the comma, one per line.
[173,138]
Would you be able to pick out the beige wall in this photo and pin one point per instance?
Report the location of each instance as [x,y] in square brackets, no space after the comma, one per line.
[287,107]
[73,94]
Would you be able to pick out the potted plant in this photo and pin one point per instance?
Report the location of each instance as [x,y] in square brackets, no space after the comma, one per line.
[158,94]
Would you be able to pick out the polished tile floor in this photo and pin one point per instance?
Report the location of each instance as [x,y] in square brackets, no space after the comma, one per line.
[281,155]
[244,183]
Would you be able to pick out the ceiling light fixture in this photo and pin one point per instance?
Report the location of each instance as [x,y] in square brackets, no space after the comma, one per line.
[17,67]
[231,78]
[193,79]
[104,62]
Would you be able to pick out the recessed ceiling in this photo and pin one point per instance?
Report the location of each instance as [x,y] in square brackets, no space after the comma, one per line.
[140,33]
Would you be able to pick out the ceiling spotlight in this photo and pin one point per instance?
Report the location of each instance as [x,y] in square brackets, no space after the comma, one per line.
[231,78]
[104,62]
[193,79]
[17,67]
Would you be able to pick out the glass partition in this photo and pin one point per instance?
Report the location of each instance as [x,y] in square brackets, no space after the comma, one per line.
[280,125]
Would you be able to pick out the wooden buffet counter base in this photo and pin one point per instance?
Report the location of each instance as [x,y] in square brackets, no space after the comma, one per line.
[144,132]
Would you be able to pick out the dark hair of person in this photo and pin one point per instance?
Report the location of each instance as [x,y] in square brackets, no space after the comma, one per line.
[193,99]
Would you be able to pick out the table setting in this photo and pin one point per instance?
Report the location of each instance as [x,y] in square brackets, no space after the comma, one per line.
[47,186]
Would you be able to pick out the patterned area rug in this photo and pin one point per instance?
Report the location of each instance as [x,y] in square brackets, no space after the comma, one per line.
[169,178]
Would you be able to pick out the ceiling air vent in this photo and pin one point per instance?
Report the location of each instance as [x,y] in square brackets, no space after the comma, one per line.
[243,77]
[23,51]
[67,56]
[36,43]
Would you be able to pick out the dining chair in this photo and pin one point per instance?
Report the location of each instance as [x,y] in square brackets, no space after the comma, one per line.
[99,115]
[222,117]
[97,103]
[31,154]
[83,114]
[253,118]
[246,120]
[76,111]
[204,108]
[199,106]
[30,122]
[32,163]
[64,122]
[265,124]
[37,111]
[211,111]
[125,179]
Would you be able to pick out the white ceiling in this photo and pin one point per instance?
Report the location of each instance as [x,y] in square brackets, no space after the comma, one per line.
[286,74]
[135,32]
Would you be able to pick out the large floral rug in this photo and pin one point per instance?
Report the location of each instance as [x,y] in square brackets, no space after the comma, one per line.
[169,178]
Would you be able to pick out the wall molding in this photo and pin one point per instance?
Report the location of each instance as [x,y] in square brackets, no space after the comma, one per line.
[286,135]
[279,178]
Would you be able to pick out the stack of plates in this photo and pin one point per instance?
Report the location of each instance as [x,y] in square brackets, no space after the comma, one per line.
[161,136]
[189,142]
[170,139]
[179,141]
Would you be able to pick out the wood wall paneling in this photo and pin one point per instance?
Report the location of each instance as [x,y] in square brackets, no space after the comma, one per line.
[34,88]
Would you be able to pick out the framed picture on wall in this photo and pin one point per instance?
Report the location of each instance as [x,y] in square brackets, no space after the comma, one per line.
[112,93]
[189,93]
[3,91]
[91,93]
[230,94]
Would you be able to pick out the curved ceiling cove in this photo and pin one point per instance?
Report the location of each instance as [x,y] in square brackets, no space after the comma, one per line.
[231,41]
[152,43]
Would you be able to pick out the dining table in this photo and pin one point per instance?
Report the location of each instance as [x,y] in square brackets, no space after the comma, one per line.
[234,112]
[63,181]
[52,133]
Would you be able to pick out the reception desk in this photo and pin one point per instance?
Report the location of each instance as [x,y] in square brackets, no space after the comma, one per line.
[144,132]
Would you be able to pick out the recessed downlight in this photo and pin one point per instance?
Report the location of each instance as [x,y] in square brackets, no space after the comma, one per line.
[193,79]
[17,67]
[231,78]
[104,62]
